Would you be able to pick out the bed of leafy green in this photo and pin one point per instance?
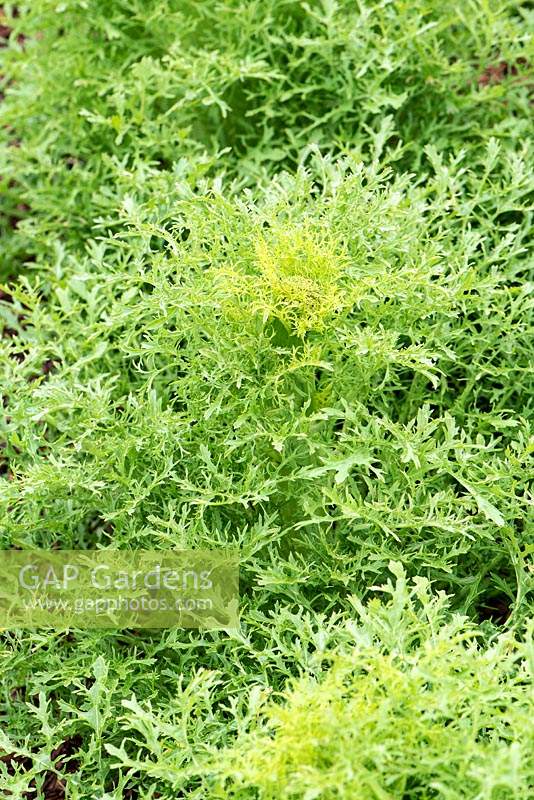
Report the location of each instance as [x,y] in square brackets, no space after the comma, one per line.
[266,281]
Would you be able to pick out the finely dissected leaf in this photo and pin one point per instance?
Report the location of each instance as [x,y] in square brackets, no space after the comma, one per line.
[487,508]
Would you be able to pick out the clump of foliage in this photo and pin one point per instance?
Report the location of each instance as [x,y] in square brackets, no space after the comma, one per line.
[416,708]
[323,423]
[267,282]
